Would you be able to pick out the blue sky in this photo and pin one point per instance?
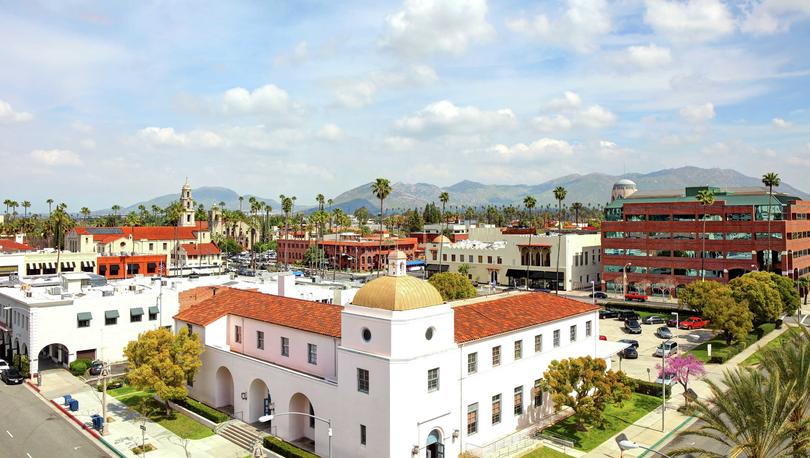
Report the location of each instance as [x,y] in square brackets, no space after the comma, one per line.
[112,102]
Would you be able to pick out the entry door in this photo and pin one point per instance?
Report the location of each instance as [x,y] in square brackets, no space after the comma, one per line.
[268,405]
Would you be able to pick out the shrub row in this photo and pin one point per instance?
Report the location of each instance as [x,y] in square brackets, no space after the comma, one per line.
[650,388]
[80,366]
[111,384]
[285,449]
[725,354]
[203,410]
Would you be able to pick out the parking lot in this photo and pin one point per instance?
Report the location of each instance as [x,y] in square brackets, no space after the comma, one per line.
[613,330]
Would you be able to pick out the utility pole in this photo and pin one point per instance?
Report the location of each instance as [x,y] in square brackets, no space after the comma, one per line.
[105,371]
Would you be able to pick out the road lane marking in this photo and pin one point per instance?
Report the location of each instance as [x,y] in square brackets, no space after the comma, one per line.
[28,455]
[9,434]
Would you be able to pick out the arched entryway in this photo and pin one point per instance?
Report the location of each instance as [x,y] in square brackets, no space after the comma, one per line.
[258,400]
[302,427]
[52,356]
[223,397]
[434,447]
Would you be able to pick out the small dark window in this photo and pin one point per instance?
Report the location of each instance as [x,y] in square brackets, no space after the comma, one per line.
[366,334]
[362,434]
[110,321]
[84,323]
[429,333]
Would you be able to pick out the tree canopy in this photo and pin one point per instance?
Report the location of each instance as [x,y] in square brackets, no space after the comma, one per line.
[763,292]
[733,317]
[452,285]
[696,294]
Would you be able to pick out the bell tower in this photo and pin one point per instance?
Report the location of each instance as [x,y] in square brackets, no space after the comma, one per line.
[187,207]
[397,264]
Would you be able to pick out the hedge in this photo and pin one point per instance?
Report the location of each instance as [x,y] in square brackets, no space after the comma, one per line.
[203,410]
[286,449]
[111,384]
[650,388]
[80,366]
[725,354]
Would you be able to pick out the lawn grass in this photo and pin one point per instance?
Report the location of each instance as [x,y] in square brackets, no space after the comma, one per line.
[544,452]
[176,422]
[720,348]
[777,342]
[123,391]
[616,419]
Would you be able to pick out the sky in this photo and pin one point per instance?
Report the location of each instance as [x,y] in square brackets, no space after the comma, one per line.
[117,102]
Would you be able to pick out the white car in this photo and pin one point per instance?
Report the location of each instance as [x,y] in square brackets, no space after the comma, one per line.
[668,380]
[3,365]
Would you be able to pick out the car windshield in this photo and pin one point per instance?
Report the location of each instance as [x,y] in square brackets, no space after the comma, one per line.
[13,372]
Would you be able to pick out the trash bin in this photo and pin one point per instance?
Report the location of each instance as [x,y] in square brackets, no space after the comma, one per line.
[68,398]
[98,422]
[74,405]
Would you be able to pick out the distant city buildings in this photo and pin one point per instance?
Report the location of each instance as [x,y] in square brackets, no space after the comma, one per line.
[348,251]
[655,240]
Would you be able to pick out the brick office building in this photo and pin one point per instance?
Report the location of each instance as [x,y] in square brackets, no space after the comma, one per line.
[658,238]
[352,252]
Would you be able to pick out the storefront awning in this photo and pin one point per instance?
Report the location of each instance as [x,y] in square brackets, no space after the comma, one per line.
[84,316]
[111,314]
[136,311]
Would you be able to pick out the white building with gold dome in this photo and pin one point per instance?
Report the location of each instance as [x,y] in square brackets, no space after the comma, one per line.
[397,373]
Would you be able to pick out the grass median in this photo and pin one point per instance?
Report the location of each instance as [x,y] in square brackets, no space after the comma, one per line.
[544,452]
[775,343]
[722,352]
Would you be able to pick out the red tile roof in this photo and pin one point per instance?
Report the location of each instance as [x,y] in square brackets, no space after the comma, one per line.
[488,318]
[201,249]
[10,246]
[309,316]
[148,233]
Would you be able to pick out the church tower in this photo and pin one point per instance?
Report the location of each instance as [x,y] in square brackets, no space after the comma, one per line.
[187,207]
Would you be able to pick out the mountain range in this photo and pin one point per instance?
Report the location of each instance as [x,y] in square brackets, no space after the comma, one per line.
[592,188]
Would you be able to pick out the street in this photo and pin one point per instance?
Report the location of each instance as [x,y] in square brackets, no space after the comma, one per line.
[31,429]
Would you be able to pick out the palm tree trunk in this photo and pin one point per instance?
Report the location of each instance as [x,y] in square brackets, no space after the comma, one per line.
[703,252]
[441,234]
[529,251]
[379,259]
[559,246]
[770,254]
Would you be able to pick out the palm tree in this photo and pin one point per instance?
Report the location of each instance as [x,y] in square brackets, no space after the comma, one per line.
[750,416]
[49,202]
[576,206]
[26,205]
[529,202]
[241,198]
[7,203]
[62,222]
[444,197]
[115,209]
[381,188]
[85,213]
[559,195]
[771,180]
[14,205]
[706,199]
[286,207]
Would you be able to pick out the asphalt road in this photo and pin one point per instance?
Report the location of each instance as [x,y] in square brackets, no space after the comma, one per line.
[29,428]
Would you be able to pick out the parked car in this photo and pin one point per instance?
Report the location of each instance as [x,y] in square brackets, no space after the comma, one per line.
[11,376]
[654,319]
[629,353]
[663,332]
[633,343]
[599,295]
[628,315]
[666,349]
[669,379]
[608,313]
[632,327]
[694,322]
[641,297]
[3,365]
[672,323]
[601,337]
[96,367]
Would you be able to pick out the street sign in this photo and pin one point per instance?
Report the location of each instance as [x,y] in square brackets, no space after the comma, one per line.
[143,427]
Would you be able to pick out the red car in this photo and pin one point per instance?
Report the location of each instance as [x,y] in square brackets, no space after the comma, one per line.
[635,297]
[693,323]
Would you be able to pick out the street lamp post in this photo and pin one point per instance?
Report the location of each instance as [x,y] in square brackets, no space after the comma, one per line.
[664,381]
[328,421]
[593,291]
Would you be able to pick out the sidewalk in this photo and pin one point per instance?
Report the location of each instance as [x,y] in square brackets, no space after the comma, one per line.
[125,429]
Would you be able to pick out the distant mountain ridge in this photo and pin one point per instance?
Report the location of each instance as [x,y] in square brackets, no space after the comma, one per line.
[592,188]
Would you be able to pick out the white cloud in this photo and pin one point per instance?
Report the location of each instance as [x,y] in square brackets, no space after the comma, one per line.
[552,123]
[646,57]
[596,117]
[166,136]
[698,113]
[55,157]
[299,54]
[425,27]
[690,20]
[81,127]
[330,132]
[257,137]
[540,149]
[360,93]
[568,101]
[268,99]
[579,28]
[8,115]
[781,123]
[774,16]
[446,118]
[88,143]
[572,113]
[398,143]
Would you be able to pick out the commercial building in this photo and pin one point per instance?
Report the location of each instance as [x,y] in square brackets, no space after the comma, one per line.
[495,256]
[658,241]
[348,251]
[395,373]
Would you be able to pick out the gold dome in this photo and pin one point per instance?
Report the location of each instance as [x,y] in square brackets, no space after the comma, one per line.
[397,293]
[441,239]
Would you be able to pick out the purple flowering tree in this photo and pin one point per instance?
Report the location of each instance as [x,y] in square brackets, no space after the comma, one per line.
[682,367]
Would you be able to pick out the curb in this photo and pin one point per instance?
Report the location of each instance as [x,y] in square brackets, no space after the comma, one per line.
[653,446]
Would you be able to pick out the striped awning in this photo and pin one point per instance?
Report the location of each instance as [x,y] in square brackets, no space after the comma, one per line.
[33,265]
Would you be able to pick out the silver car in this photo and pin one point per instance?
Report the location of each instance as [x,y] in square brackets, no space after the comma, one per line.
[663,332]
[666,349]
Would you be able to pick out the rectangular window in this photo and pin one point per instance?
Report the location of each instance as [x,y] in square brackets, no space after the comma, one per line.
[237,334]
[312,354]
[573,333]
[538,393]
[472,363]
[500,261]
[260,340]
[588,328]
[152,316]
[444,257]
[538,343]
[556,338]
[83,323]
[433,380]
[472,419]
[285,346]
[165,245]
[518,349]
[110,321]
[496,356]
[362,434]
[453,257]
[151,246]
[489,259]
[519,400]
[190,329]
[480,259]
[362,380]
[496,409]
[738,236]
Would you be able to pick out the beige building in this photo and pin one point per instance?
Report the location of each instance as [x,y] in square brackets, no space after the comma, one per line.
[504,259]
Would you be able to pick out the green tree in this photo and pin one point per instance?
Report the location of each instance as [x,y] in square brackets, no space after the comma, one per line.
[229,245]
[287,205]
[444,197]
[164,362]
[761,296]
[529,202]
[724,313]
[695,295]
[464,269]
[414,222]
[381,188]
[787,291]
[576,207]
[748,413]
[804,287]
[362,216]
[85,214]
[771,180]
[26,205]
[453,285]
[586,386]
[706,199]
[313,256]
[559,196]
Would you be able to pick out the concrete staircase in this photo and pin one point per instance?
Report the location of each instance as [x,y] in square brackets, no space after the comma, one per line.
[239,433]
